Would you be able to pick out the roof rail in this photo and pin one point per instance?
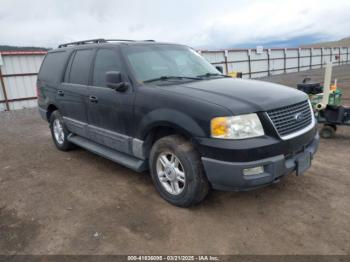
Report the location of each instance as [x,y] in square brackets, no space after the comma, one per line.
[119,40]
[90,41]
[128,40]
[100,40]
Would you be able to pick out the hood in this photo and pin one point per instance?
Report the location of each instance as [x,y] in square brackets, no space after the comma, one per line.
[239,95]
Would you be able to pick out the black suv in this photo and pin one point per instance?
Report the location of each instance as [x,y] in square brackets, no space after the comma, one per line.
[163,107]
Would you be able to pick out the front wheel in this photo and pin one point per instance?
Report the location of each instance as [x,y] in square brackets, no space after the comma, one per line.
[328,131]
[177,171]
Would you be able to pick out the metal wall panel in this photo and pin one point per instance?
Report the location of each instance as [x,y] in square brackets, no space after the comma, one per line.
[237,55]
[327,55]
[316,58]
[276,61]
[259,63]
[2,97]
[19,73]
[21,64]
[344,55]
[238,61]
[214,57]
[292,60]
[305,59]
[239,67]
[23,104]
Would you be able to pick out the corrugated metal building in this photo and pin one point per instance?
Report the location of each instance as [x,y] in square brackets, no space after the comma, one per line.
[18,74]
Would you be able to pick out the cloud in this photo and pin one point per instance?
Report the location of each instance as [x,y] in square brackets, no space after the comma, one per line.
[210,24]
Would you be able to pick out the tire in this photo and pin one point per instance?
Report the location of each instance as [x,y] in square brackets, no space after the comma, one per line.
[192,184]
[334,127]
[327,131]
[61,143]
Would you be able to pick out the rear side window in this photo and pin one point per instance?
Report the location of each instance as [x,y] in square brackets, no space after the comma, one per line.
[53,66]
[79,72]
[106,60]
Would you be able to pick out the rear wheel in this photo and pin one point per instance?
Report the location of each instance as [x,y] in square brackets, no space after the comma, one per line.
[328,131]
[177,171]
[59,132]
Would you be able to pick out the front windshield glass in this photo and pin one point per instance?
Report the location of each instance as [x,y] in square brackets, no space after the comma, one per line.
[155,61]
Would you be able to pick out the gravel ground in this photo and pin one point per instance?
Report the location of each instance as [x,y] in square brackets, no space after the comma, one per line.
[53,202]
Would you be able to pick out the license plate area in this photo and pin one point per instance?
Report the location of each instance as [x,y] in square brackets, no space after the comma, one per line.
[303,163]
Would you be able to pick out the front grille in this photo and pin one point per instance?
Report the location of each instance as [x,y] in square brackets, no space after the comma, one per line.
[290,119]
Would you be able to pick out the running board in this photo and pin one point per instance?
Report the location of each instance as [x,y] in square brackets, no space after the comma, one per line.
[131,162]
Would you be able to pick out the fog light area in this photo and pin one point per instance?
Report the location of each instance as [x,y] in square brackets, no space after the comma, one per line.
[253,171]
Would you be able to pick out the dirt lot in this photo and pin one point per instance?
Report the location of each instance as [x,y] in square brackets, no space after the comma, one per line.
[53,202]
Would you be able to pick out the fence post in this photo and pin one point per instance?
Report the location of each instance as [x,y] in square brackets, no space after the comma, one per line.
[339,56]
[268,62]
[226,64]
[285,60]
[321,57]
[331,54]
[249,64]
[4,88]
[311,58]
[299,59]
[347,55]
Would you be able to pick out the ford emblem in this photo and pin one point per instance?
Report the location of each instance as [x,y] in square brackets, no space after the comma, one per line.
[298,117]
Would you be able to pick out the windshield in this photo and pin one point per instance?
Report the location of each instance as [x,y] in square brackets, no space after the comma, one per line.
[151,62]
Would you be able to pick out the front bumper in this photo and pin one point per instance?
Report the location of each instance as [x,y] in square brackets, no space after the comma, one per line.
[228,176]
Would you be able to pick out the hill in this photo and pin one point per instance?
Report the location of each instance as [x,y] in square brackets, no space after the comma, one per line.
[339,43]
[22,48]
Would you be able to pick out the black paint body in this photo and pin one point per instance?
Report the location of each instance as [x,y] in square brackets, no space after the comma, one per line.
[127,121]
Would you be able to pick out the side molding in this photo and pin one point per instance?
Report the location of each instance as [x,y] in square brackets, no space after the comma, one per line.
[76,127]
[131,162]
[113,140]
[138,148]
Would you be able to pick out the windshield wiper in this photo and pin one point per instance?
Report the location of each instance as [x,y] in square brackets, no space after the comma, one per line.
[212,74]
[165,78]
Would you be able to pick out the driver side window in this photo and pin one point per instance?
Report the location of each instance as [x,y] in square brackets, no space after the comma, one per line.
[106,60]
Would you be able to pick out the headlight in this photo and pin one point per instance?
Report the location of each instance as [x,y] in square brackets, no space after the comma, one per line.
[236,127]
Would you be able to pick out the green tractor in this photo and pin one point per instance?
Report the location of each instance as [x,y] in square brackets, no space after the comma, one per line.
[327,104]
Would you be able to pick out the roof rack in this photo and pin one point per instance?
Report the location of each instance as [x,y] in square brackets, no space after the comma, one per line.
[84,42]
[98,41]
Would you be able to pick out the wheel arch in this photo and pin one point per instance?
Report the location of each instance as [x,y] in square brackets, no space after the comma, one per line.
[169,118]
[50,109]
[167,122]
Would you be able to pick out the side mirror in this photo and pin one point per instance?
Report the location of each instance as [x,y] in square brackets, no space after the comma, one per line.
[114,80]
[220,69]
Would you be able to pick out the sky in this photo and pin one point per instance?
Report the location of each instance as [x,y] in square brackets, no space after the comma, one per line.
[202,24]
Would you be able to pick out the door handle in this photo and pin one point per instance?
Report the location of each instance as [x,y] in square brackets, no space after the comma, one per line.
[60,93]
[93,99]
